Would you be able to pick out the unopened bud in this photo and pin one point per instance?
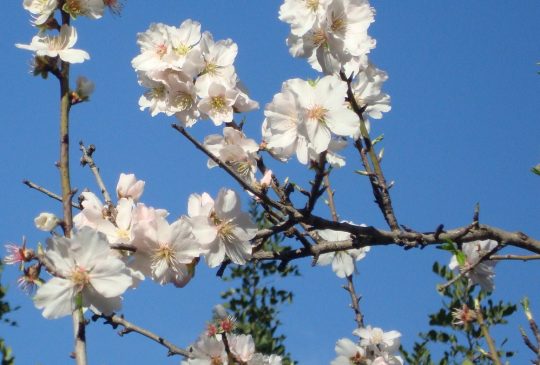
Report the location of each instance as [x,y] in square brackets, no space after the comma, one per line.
[46,221]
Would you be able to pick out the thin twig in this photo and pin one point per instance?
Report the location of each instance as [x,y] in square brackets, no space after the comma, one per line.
[48,193]
[382,196]
[316,191]
[485,332]
[355,302]
[331,203]
[128,327]
[87,159]
[514,257]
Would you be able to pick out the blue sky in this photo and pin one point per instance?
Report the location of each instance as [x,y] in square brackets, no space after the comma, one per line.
[463,129]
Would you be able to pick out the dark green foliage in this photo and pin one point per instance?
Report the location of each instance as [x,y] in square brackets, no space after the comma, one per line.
[458,343]
[5,352]
[255,301]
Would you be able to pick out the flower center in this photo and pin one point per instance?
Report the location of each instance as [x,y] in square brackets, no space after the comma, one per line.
[122,234]
[312,5]
[182,49]
[318,37]
[338,24]
[163,253]
[161,50]
[317,113]
[377,336]
[183,101]
[211,68]
[218,103]
[357,359]
[80,277]
[73,8]
[216,360]
[157,92]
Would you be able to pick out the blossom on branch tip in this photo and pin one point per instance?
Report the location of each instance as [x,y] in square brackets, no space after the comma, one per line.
[129,187]
[349,353]
[60,45]
[85,270]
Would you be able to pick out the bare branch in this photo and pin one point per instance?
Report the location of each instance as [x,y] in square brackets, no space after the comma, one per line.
[87,159]
[128,327]
[50,194]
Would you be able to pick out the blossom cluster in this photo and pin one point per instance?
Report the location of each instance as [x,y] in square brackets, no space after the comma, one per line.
[145,245]
[220,345]
[310,117]
[189,75]
[375,347]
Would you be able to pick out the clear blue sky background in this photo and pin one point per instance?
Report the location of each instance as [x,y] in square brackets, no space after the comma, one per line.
[463,129]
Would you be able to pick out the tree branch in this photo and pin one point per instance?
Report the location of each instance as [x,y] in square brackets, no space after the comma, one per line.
[50,194]
[128,327]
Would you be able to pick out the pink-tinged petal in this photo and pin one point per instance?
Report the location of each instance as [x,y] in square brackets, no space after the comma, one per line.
[55,297]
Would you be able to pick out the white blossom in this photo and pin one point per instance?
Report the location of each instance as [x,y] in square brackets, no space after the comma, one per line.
[367,92]
[242,347]
[60,45]
[234,149]
[221,227]
[378,341]
[348,353]
[86,268]
[482,273]
[166,253]
[92,9]
[40,9]
[343,262]
[129,187]
[207,351]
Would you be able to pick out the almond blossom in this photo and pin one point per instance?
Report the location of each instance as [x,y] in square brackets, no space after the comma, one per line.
[234,149]
[367,92]
[207,351]
[92,9]
[129,187]
[343,262]
[57,46]
[166,252]
[242,347]
[332,35]
[306,115]
[378,342]
[482,273]
[221,227]
[85,268]
[349,353]
[40,9]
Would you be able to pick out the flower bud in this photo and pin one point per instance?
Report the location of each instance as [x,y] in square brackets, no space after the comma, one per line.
[129,187]
[46,221]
